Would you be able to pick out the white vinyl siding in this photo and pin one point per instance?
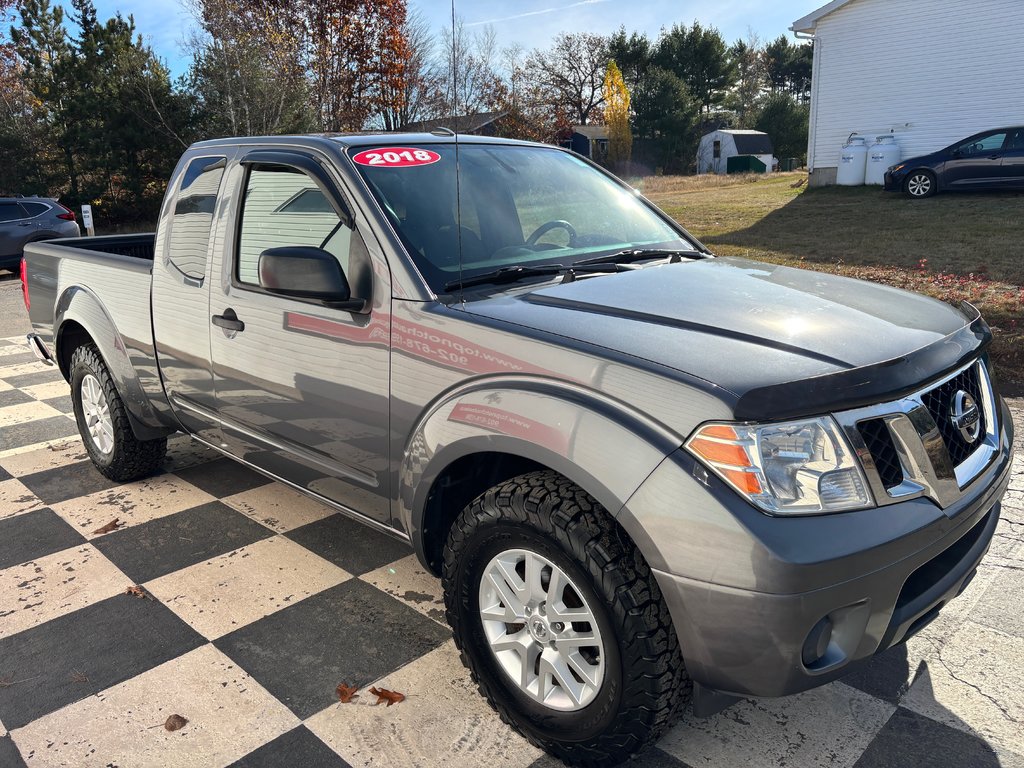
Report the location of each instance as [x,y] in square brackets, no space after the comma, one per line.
[930,71]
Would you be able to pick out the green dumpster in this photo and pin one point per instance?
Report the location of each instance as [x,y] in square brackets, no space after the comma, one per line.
[744,164]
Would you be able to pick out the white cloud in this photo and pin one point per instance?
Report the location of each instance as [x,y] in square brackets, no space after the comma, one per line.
[534,13]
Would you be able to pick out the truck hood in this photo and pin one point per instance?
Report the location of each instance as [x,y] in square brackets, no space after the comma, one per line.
[745,326]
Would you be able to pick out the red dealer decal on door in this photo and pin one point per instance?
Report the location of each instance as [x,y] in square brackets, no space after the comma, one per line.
[396,157]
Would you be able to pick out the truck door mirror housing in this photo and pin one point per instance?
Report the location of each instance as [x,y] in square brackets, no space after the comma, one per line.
[304,272]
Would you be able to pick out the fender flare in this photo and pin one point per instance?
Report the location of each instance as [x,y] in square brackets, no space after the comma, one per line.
[82,306]
[601,444]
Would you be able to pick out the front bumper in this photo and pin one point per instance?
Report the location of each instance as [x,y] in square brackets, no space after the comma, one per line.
[774,606]
[893,182]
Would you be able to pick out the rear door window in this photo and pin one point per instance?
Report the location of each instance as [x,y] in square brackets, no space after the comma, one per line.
[189,242]
[11,212]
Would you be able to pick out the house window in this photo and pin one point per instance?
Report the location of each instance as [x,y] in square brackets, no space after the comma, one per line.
[718,149]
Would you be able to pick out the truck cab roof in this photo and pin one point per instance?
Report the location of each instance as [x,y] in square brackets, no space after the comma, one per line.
[367,139]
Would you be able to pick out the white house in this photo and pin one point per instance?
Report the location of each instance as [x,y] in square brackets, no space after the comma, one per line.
[928,71]
[717,147]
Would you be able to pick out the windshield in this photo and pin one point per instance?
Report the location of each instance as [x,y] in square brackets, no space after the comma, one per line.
[520,206]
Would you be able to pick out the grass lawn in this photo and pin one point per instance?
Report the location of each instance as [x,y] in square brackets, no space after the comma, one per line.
[953,247]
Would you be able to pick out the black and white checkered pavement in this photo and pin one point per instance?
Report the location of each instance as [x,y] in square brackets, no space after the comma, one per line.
[260,601]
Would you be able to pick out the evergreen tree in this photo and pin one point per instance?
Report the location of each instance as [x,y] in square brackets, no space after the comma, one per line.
[47,68]
[700,58]
[786,121]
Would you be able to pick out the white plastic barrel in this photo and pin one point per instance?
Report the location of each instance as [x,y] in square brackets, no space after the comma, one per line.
[882,155]
[852,162]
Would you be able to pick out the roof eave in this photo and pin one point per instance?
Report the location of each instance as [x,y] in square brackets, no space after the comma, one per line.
[809,23]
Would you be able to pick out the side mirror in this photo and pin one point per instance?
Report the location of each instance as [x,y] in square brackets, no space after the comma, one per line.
[957,153]
[304,272]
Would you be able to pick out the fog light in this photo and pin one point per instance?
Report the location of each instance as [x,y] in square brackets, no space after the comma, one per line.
[816,644]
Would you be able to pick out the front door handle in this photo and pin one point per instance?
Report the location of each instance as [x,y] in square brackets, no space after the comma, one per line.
[228,321]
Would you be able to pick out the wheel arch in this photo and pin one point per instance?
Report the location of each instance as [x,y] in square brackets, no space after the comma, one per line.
[926,169]
[80,318]
[489,432]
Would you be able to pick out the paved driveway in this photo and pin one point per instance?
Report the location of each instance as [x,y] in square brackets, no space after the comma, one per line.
[258,602]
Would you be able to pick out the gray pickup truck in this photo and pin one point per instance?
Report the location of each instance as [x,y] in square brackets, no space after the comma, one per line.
[645,475]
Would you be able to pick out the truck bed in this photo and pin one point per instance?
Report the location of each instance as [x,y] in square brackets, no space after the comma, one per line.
[102,283]
[138,246]
[116,270]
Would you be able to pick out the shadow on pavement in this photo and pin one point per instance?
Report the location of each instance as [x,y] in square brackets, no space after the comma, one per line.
[908,739]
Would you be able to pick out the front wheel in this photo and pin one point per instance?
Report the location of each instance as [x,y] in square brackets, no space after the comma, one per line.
[103,422]
[561,622]
[920,184]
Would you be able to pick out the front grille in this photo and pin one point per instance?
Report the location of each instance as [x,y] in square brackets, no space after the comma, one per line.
[914,445]
[879,443]
[939,403]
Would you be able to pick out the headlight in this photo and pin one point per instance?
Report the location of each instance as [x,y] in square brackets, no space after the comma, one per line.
[896,168]
[793,468]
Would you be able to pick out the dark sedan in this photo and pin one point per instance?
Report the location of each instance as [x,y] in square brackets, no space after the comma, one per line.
[990,160]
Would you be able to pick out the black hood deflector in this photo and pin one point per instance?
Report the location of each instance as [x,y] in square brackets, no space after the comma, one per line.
[866,385]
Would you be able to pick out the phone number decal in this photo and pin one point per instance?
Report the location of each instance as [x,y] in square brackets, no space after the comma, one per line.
[396,157]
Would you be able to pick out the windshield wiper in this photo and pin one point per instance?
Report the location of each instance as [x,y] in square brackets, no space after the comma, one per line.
[631,255]
[512,274]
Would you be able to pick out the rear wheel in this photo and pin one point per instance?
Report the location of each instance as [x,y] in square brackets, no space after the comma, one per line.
[561,622]
[103,422]
[920,184]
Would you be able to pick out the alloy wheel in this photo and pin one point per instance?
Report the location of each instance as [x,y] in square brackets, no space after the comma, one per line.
[541,631]
[97,414]
[919,185]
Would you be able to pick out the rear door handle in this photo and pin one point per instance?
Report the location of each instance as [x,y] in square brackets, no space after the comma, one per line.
[228,321]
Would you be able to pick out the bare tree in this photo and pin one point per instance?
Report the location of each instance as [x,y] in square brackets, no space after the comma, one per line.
[571,74]
[419,91]
[513,62]
[470,83]
[751,78]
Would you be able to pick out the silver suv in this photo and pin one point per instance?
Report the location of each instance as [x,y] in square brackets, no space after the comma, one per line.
[28,219]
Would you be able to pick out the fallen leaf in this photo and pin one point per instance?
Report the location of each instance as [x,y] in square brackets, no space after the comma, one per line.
[78,677]
[136,591]
[175,723]
[383,694]
[347,692]
[113,525]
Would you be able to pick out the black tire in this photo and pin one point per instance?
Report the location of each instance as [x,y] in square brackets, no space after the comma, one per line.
[920,184]
[645,683]
[130,458]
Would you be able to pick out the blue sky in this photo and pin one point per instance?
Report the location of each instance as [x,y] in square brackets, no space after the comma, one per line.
[532,23]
